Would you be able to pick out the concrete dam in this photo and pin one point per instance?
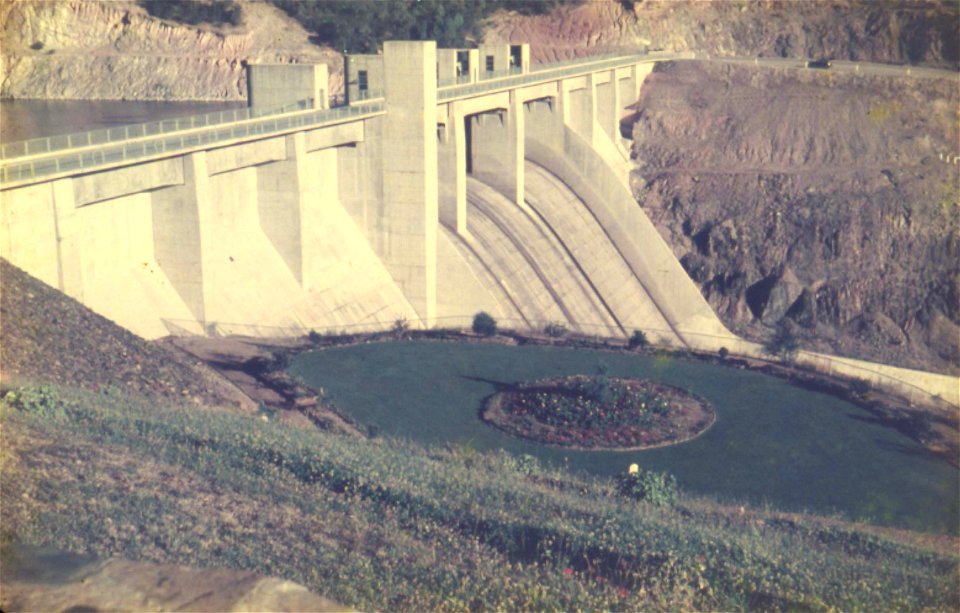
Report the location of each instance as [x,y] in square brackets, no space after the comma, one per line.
[442,191]
[449,182]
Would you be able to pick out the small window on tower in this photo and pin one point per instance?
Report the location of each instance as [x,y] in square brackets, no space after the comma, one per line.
[489,63]
[362,80]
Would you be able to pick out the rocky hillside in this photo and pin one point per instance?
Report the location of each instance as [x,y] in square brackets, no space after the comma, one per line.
[811,195]
[51,338]
[926,33]
[84,49]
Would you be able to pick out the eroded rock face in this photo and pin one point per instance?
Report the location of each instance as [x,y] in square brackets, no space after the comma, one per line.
[820,197]
[862,30]
[116,51]
[48,580]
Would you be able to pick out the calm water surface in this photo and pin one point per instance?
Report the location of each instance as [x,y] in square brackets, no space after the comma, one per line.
[773,442]
[26,119]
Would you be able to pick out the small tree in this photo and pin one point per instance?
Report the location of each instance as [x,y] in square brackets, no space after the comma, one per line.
[555,330]
[484,324]
[784,343]
[638,340]
[400,327]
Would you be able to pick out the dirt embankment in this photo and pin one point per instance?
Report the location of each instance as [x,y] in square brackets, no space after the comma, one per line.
[926,33]
[48,337]
[819,197]
[78,49]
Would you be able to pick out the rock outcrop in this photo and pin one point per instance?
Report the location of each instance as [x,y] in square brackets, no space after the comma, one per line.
[818,196]
[903,33]
[37,579]
[117,51]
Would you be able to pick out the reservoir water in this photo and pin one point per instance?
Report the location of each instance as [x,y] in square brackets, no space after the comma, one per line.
[26,119]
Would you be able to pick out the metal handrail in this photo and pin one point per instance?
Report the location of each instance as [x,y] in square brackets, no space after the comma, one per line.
[102,136]
[135,150]
[544,72]
[91,138]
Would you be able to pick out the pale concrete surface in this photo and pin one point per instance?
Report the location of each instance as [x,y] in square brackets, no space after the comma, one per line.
[410,191]
[276,85]
[45,580]
[634,236]
[465,286]
[600,262]
[521,245]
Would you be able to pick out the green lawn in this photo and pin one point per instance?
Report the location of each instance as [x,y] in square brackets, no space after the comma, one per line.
[773,442]
[392,525]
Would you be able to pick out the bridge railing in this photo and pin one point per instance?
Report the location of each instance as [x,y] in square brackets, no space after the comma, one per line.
[543,72]
[102,136]
[192,136]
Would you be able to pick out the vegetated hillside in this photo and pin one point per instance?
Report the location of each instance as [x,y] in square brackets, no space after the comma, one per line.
[115,51]
[812,195]
[47,337]
[387,525]
[926,33]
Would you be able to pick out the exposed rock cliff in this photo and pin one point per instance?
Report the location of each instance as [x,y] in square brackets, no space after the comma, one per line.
[818,196]
[115,50]
[925,33]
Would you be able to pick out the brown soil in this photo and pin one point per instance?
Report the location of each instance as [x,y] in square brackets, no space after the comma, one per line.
[818,197]
[688,418]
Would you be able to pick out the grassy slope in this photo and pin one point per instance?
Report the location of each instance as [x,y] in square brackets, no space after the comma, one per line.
[389,525]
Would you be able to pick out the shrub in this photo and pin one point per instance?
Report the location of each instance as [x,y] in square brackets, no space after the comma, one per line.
[314,337]
[860,387]
[784,343]
[400,326]
[638,340]
[659,489]
[555,330]
[485,324]
[723,353]
[43,400]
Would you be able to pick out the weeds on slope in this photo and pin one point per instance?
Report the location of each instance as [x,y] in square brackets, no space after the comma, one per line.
[390,525]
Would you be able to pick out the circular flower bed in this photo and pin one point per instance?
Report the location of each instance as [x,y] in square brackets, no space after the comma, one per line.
[599,412]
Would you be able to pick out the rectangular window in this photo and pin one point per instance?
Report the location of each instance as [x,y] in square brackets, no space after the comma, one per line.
[489,63]
[362,80]
[516,56]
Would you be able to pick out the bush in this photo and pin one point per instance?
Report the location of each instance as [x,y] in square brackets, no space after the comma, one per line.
[400,326]
[638,340]
[555,330]
[43,400]
[659,489]
[784,343]
[723,353]
[485,324]
[314,337]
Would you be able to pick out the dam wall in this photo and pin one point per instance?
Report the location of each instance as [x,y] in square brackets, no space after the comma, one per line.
[424,199]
